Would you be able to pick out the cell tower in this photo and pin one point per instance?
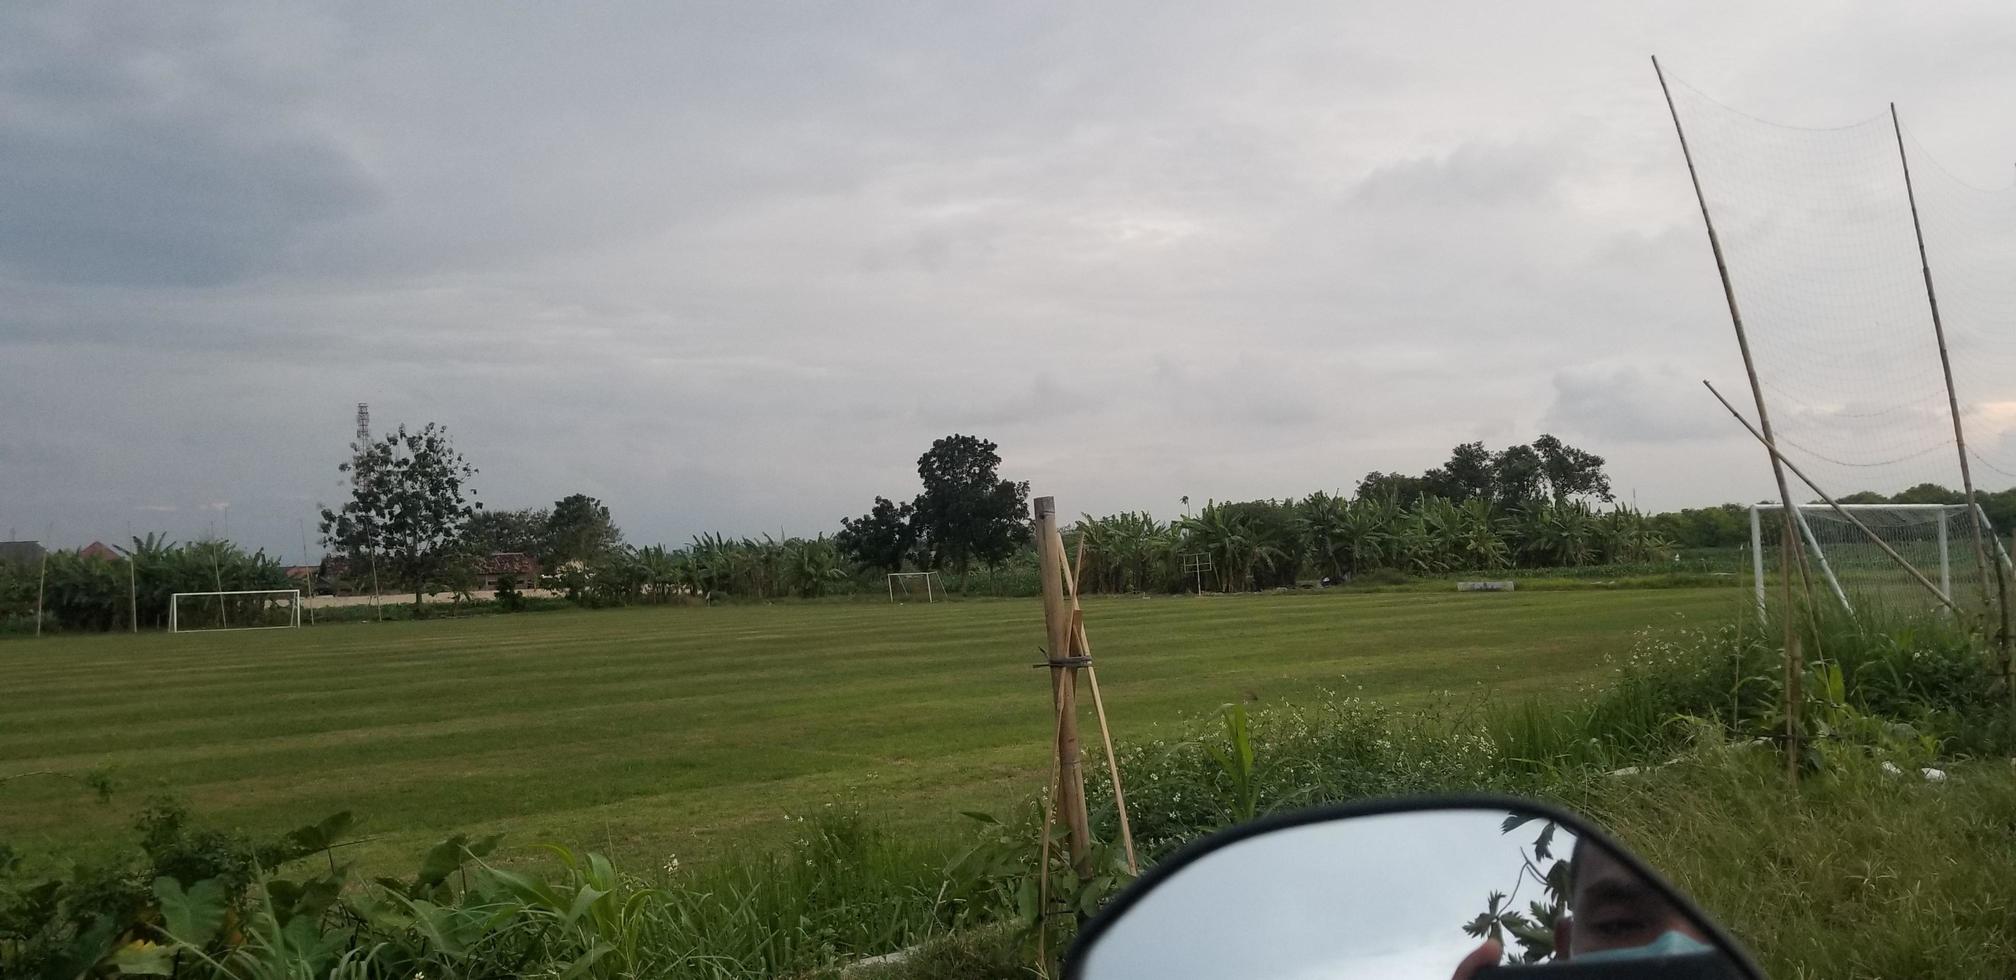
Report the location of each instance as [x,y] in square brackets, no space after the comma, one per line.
[363,423]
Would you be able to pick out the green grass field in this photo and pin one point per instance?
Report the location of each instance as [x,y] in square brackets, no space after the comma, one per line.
[648,732]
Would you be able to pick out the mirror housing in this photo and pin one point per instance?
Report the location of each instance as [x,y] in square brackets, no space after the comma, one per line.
[1425,887]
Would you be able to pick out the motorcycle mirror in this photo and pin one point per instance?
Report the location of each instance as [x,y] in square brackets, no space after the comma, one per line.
[1484,887]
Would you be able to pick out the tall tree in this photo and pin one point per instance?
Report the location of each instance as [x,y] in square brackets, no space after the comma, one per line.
[406,505]
[1394,487]
[966,510]
[1466,476]
[1469,470]
[1516,479]
[881,538]
[578,529]
[1570,472]
[493,531]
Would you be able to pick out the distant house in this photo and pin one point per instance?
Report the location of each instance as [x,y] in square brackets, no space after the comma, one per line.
[99,550]
[21,552]
[300,573]
[336,572]
[518,565]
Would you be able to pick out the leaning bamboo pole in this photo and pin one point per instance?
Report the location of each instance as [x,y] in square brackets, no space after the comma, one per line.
[1953,406]
[1794,671]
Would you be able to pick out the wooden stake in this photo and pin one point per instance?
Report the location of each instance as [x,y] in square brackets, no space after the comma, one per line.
[1063,685]
[1794,697]
[1953,405]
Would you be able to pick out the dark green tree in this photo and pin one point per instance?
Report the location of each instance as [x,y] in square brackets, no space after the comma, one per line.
[1466,476]
[1516,476]
[1571,472]
[578,529]
[881,538]
[522,530]
[1396,488]
[406,505]
[966,510]
[1928,493]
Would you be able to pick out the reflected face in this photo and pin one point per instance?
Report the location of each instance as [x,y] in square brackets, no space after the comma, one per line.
[1611,907]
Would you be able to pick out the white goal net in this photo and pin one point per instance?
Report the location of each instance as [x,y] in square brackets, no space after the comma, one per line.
[190,612]
[905,586]
[1935,539]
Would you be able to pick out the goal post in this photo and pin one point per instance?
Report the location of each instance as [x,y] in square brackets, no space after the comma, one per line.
[906,583]
[244,609]
[1854,568]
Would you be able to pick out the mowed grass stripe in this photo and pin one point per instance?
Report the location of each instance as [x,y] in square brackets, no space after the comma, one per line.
[679,724]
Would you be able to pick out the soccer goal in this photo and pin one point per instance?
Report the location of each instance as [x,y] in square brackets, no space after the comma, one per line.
[1935,539]
[251,609]
[903,586]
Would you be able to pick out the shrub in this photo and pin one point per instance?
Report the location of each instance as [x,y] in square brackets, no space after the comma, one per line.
[508,598]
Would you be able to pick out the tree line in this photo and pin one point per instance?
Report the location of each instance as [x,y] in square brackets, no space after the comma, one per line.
[88,592]
[412,523]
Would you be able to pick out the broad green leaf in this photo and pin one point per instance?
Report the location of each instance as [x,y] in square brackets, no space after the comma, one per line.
[587,896]
[442,860]
[141,958]
[193,916]
[601,873]
[527,889]
[586,960]
[1026,901]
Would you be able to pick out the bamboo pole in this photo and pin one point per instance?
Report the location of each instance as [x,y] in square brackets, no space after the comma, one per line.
[41,586]
[1844,512]
[1063,685]
[1084,649]
[217,575]
[311,575]
[133,592]
[1953,406]
[1793,654]
[1794,670]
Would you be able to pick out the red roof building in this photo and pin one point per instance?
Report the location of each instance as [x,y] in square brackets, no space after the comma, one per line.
[99,550]
[518,565]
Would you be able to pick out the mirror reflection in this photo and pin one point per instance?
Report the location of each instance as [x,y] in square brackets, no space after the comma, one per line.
[1439,893]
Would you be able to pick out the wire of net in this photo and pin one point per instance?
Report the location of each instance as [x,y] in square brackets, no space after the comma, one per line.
[1816,229]
[1970,241]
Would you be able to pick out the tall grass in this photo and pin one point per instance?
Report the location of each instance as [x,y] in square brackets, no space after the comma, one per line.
[1863,869]
[1856,872]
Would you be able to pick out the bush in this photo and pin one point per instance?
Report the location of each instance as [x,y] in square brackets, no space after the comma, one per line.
[508,598]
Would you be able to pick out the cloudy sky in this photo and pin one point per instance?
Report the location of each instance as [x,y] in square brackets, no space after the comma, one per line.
[733,266]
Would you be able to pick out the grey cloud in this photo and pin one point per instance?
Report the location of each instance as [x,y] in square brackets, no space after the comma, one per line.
[734,267]
[163,204]
[147,155]
[1632,403]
